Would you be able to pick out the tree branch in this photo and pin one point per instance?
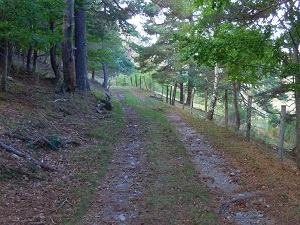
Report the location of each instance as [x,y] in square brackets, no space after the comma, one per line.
[26,156]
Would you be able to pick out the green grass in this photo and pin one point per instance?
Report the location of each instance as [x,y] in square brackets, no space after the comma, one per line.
[93,163]
[173,191]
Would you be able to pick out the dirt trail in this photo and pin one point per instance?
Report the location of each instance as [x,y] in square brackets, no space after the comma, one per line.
[221,179]
[120,200]
[233,205]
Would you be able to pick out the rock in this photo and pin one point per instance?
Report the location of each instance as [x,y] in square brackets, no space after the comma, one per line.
[122,217]
[239,214]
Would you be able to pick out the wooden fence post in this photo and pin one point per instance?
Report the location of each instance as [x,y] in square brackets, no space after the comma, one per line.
[281,134]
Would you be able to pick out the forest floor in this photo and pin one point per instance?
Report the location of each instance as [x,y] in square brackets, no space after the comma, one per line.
[142,163]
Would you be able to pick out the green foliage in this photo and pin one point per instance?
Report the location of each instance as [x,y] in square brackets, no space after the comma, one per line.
[28,24]
[274,120]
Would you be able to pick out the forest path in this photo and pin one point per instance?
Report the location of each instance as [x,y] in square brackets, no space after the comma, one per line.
[121,199]
[232,203]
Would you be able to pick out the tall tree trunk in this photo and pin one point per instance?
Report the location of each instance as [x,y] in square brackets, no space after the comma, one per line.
[248,120]
[81,50]
[170,95]
[181,93]
[281,132]
[105,74]
[210,113]
[226,107]
[174,94]
[9,57]
[297,103]
[189,92]
[236,105]
[4,73]
[54,64]
[136,80]
[167,94]
[29,54]
[67,47]
[206,99]
[53,59]
[34,62]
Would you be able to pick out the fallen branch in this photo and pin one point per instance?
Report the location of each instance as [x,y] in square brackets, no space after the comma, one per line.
[224,206]
[19,171]
[61,205]
[25,155]
[20,137]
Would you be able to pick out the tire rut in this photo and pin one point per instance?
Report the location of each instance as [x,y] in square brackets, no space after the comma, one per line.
[221,179]
[120,199]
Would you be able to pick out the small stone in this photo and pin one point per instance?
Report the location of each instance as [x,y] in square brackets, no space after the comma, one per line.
[261,215]
[239,214]
[122,217]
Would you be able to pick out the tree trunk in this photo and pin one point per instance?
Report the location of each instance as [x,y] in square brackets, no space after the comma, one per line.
[167,94]
[105,74]
[206,99]
[136,80]
[181,93]
[146,86]
[4,73]
[248,120]
[192,101]
[28,62]
[281,133]
[297,102]
[189,92]
[174,94]
[81,50]
[9,57]
[170,95]
[210,113]
[236,105]
[140,82]
[34,63]
[226,107]
[53,59]
[67,47]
